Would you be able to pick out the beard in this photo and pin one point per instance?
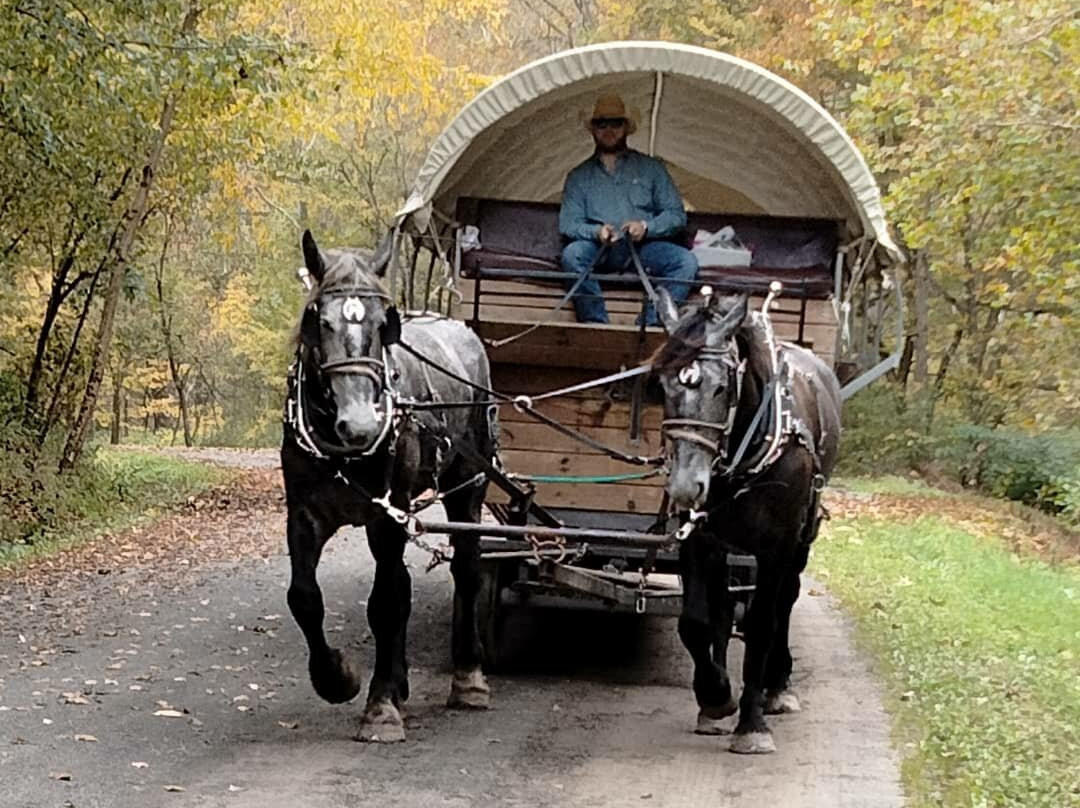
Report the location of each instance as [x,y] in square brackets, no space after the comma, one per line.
[603,148]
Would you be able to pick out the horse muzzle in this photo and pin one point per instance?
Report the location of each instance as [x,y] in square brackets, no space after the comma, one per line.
[361,427]
[687,489]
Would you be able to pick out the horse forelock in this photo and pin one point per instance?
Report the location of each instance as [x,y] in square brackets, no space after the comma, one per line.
[349,266]
[684,344]
[690,337]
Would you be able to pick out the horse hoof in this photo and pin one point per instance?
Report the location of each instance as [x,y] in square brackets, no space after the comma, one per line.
[716,712]
[753,743]
[706,725]
[382,723]
[469,690]
[783,701]
[337,680]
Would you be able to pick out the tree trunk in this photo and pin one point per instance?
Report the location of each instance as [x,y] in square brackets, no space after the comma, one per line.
[903,370]
[52,309]
[117,406]
[133,219]
[943,369]
[178,381]
[53,412]
[57,295]
[922,318]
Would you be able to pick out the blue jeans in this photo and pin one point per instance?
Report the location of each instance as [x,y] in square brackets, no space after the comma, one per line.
[672,264]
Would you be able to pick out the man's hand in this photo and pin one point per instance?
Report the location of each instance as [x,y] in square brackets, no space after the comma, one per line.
[607,234]
[636,230]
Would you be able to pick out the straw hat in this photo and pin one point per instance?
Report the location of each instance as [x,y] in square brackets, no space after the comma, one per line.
[612,106]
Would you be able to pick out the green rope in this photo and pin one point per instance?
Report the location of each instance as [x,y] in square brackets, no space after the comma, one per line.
[570,478]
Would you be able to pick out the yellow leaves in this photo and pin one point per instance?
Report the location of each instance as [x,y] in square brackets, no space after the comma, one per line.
[235,318]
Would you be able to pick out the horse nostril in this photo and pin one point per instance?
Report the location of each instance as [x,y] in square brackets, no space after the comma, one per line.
[700,491]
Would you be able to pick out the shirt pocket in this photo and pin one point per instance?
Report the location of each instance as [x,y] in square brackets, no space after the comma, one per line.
[641,194]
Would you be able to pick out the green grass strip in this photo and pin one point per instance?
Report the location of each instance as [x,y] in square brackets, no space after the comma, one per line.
[980,651]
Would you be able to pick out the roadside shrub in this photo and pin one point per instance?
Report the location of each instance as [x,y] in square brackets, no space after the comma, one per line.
[1039,470]
[883,433]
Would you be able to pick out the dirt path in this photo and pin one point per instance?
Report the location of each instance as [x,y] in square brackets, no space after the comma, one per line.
[167,659]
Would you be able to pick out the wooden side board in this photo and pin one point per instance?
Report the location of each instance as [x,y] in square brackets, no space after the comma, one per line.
[506,309]
[612,498]
[528,447]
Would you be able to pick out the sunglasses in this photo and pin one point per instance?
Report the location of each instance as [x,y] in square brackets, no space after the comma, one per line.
[608,123]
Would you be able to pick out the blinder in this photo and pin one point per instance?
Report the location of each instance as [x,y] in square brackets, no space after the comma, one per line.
[391,329]
[690,429]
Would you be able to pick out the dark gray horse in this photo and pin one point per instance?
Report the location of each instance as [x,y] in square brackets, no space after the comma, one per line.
[754,428]
[358,448]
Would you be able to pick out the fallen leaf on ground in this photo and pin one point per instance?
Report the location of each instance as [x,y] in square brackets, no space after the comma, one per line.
[60,775]
[169,713]
[88,738]
[174,788]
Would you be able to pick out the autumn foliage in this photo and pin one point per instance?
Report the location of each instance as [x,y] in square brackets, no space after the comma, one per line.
[161,156]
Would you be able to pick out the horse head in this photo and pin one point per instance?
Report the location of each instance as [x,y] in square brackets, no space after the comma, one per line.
[701,371]
[348,322]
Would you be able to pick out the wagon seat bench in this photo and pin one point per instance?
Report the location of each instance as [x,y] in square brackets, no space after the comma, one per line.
[514,278]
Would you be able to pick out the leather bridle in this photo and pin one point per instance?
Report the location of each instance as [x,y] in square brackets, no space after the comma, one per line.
[370,367]
[691,429]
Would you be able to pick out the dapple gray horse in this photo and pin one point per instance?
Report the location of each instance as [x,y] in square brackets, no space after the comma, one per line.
[754,428]
[358,449]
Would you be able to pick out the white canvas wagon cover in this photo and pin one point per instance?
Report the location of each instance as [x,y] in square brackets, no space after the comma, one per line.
[735,137]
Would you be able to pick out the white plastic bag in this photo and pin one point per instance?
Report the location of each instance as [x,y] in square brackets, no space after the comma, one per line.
[470,238]
[720,249]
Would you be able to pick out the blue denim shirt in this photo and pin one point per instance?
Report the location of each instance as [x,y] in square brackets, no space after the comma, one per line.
[639,189]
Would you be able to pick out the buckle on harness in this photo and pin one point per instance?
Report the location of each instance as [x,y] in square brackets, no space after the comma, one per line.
[690,525]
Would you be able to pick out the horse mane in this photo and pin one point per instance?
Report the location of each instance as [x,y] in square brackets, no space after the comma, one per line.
[341,265]
[689,337]
[754,347]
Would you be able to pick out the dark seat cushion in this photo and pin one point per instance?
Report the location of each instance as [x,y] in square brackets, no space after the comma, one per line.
[524,236]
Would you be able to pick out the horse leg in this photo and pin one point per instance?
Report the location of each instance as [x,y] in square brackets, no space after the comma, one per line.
[333,675]
[712,688]
[468,688]
[721,608]
[388,611]
[780,698]
[752,735]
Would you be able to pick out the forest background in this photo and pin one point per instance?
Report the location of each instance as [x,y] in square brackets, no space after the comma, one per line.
[159,157]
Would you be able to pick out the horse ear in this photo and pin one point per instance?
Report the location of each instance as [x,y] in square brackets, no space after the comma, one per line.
[313,259]
[736,314]
[391,329]
[666,309]
[381,260]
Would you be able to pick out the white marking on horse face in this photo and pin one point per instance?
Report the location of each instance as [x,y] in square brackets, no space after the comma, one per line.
[690,376]
[353,310]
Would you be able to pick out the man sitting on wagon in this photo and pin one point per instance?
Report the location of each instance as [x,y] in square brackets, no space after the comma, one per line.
[615,195]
